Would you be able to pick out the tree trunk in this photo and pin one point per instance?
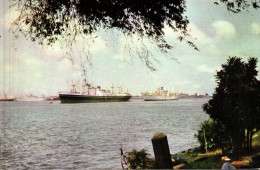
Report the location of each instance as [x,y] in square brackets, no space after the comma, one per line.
[206,144]
[251,140]
[247,140]
[237,143]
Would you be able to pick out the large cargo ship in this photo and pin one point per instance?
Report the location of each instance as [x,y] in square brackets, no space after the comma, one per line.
[93,95]
[160,95]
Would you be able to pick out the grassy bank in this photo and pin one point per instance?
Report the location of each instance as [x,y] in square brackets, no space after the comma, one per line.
[195,159]
[192,158]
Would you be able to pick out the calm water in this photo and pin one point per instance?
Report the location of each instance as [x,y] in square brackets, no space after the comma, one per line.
[41,135]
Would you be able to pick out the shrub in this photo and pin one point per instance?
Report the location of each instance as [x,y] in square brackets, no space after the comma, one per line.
[137,159]
[212,135]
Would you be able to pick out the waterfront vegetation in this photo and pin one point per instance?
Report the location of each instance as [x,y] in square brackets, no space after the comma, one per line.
[198,159]
[234,108]
[233,127]
[234,111]
[194,158]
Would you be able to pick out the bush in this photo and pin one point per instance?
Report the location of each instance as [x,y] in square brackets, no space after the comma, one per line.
[137,159]
[212,135]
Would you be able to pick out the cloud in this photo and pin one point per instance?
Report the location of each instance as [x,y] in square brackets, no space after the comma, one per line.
[52,52]
[255,28]
[100,46]
[206,69]
[201,37]
[169,33]
[155,76]
[119,57]
[31,61]
[64,65]
[9,68]
[213,50]
[224,30]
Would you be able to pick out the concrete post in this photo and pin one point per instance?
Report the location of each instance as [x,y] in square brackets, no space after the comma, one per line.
[161,151]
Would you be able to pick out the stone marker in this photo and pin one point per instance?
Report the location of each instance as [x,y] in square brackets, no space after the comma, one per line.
[161,151]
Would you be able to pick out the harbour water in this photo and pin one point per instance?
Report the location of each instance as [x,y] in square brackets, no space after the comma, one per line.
[44,135]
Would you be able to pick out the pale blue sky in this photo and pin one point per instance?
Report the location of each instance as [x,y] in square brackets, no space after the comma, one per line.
[30,68]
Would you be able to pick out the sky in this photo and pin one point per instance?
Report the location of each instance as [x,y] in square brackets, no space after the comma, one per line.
[27,67]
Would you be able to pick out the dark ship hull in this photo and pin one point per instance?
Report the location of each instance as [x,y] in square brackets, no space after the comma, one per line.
[80,98]
[7,100]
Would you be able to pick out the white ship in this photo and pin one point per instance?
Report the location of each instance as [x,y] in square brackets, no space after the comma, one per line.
[29,98]
[160,95]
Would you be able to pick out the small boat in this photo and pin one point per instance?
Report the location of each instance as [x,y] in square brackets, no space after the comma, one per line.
[160,95]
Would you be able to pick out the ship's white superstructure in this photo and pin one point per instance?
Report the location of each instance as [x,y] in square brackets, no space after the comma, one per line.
[159,95]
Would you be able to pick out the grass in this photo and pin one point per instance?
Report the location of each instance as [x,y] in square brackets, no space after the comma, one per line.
[196,160]
[212,160]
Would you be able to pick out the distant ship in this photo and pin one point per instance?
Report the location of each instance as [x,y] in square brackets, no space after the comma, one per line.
[29,98]
[7,99]
[51,98]
[93,95]
[160,95]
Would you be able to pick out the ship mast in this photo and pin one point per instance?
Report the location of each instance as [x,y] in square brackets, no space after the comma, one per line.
[119,90]
[112,87]
[83,89]
[74,86]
